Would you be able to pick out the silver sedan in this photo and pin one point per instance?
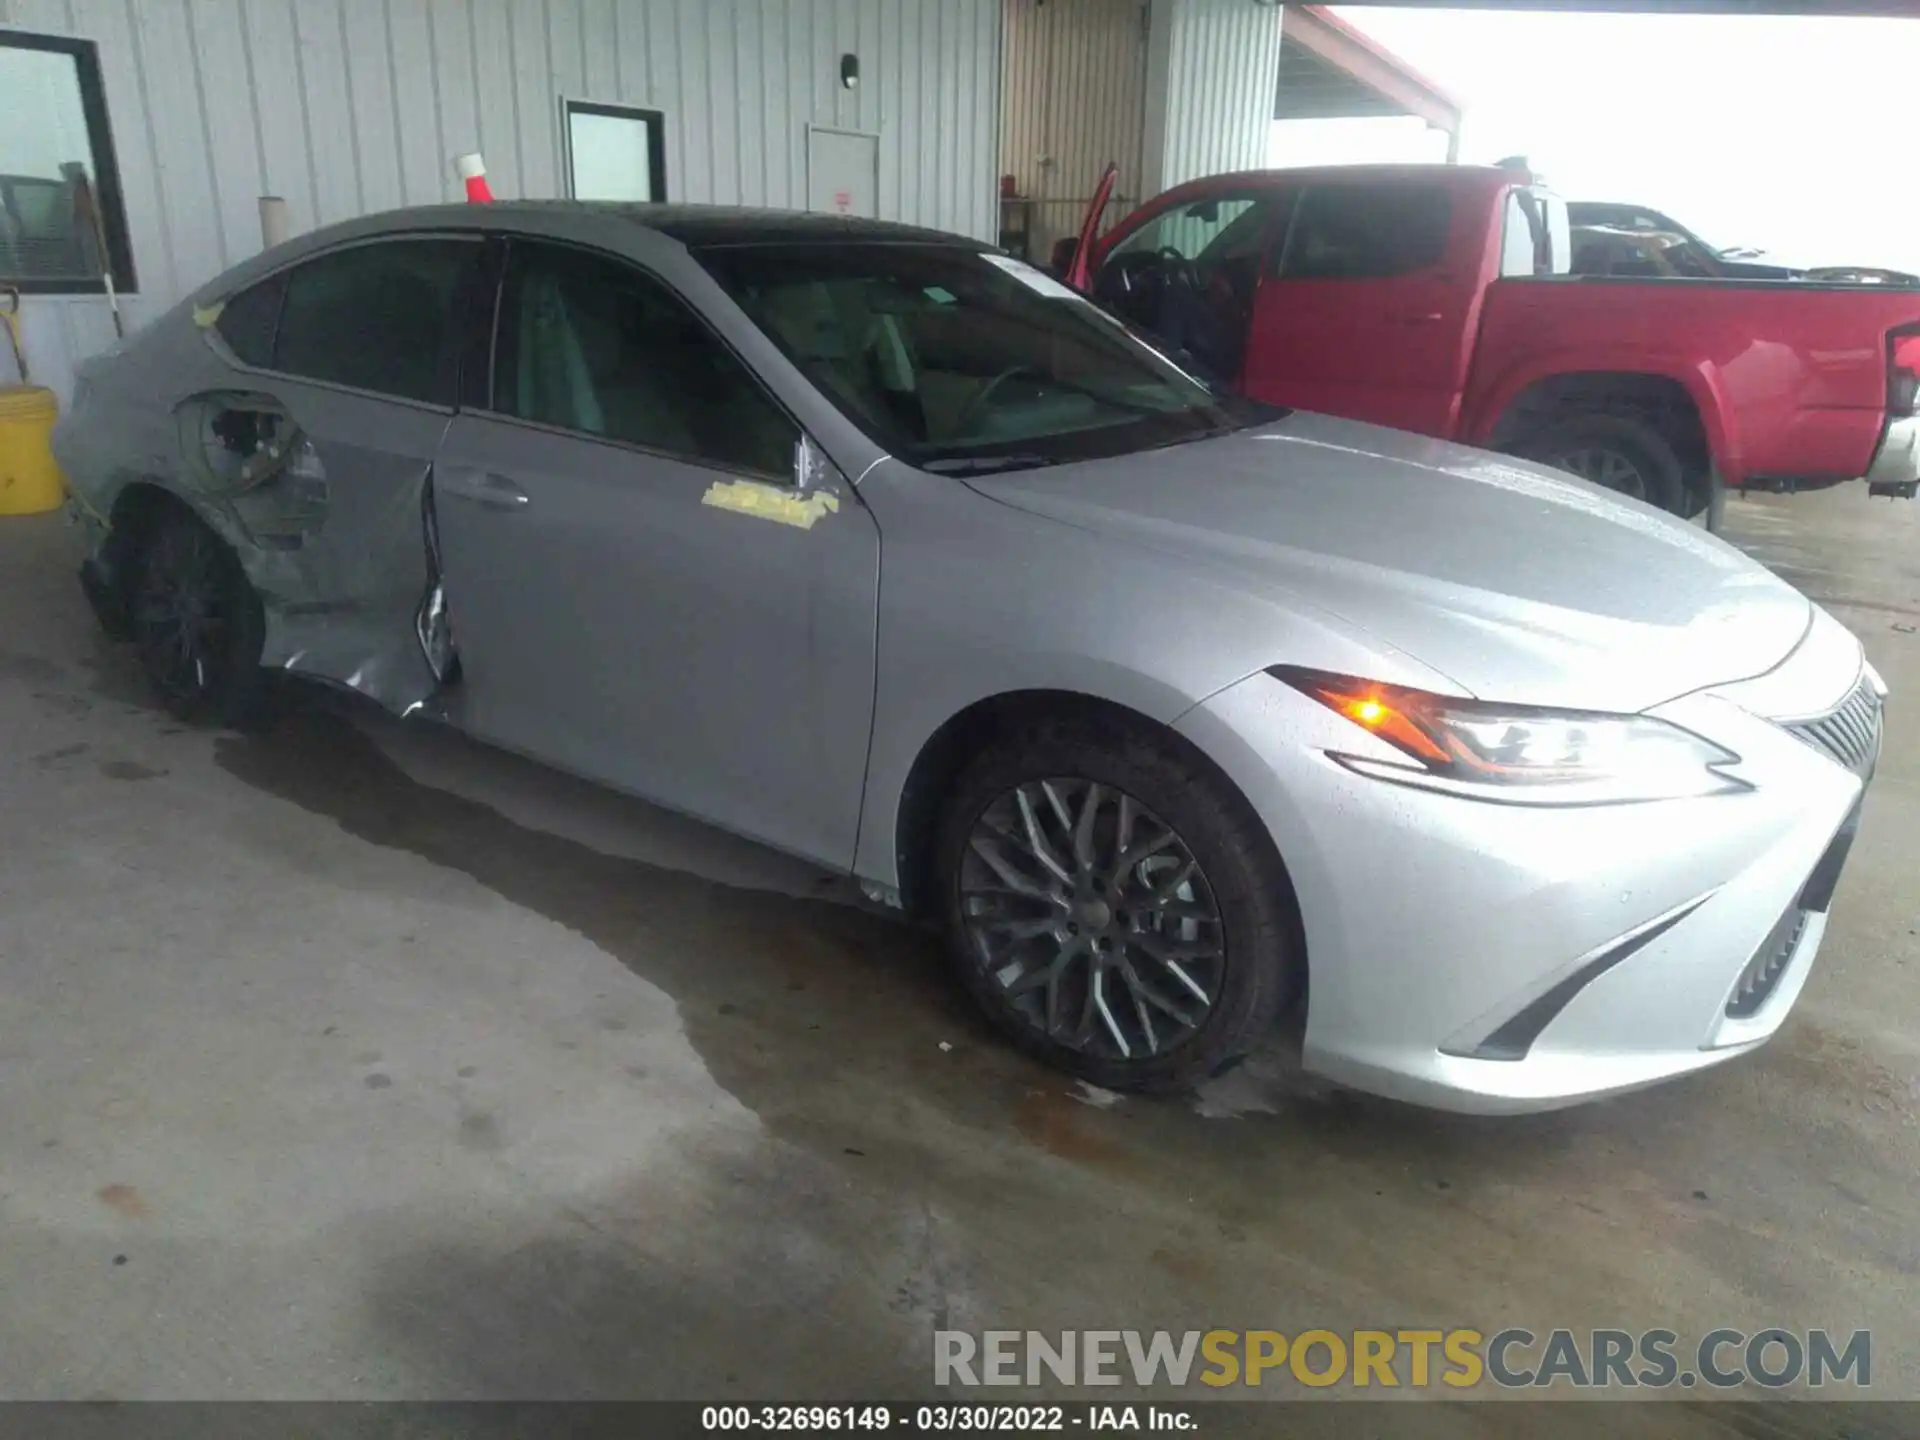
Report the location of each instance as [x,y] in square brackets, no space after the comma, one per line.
[1180,714]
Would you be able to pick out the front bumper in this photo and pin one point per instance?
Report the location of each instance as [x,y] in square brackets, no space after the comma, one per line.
[1896,467]
[1502,958]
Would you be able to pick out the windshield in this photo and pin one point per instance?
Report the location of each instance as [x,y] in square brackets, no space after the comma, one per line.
[958,360]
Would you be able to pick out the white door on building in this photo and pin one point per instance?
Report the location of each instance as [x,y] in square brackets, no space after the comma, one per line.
[843,172]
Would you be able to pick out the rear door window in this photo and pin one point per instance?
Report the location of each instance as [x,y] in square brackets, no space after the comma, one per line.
[1367,232]
[376,317]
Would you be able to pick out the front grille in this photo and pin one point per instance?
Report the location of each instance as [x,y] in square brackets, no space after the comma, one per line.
[1768,964]
[1850,735]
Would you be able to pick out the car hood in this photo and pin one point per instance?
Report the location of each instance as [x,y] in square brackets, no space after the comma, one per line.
[1517,582]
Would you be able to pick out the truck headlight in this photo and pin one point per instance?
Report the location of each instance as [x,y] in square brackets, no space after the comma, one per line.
[1518,754]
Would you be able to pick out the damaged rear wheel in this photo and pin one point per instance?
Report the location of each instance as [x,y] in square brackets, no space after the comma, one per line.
[197,623]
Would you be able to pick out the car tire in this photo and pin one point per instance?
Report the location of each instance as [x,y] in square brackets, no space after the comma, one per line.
[1237,877]
[1615,452]
[197,623]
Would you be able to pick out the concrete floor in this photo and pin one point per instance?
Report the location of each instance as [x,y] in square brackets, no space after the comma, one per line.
[360,1061]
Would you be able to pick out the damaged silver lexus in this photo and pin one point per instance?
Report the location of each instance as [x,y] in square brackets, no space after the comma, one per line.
[1179,713]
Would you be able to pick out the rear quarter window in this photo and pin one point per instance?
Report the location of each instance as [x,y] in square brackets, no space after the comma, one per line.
[247,321]
[1367,232]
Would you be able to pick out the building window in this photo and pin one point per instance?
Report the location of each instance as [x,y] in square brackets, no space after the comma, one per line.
[615,153]
[62,226]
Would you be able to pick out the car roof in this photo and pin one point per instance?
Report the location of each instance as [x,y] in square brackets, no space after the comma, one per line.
[707,225]
[698,227]
[691,225]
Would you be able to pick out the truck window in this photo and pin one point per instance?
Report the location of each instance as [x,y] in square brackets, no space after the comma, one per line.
[1217,228]
[1367,232]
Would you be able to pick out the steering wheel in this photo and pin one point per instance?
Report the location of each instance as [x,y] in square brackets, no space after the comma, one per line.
[971,411]
[1177,269]
[1140,271]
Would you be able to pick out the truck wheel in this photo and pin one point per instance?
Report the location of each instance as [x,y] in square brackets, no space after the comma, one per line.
[1613,452]
[197,624]
[1117,910]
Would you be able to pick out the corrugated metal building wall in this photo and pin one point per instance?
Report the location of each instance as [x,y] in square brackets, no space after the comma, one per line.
[1075,88]
[1220,63]
[347,106]
[1170,89]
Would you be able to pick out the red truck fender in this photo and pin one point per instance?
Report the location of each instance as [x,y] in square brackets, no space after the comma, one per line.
[1701,379]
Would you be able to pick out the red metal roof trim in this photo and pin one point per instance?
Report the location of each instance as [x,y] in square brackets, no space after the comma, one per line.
[1366,60]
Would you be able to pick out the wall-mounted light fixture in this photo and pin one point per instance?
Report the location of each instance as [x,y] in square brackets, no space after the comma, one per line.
[849,71]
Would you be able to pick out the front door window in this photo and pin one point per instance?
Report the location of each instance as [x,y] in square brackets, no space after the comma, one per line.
[1187,275]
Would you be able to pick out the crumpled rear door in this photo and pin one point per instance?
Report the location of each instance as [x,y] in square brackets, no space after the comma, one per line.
[325,491]
[335,537]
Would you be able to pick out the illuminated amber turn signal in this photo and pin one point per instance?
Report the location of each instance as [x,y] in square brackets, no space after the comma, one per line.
[1374,708]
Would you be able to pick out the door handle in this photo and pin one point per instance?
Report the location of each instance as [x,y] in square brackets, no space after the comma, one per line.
[1416,317]
[480,486]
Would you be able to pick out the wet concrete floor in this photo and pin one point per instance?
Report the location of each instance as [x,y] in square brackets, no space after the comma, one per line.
[357,1060]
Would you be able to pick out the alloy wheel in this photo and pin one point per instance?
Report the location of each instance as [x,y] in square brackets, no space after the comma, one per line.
[182,612]
[1093,918]
[1608,468]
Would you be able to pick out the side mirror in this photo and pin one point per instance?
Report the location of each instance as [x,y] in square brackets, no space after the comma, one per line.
[1061,260]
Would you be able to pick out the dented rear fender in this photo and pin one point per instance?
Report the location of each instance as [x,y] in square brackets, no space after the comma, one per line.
[322,496]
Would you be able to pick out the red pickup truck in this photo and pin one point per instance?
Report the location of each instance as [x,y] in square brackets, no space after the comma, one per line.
[1440,299]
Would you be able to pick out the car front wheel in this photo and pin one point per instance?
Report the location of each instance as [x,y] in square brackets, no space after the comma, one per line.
[1115,907]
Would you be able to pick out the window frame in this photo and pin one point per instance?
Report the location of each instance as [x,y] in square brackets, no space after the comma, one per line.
[452,343]
[105,174]
[484,400]
[656,123]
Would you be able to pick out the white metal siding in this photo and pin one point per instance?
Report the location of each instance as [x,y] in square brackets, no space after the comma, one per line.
[1219,61]
[1075,91]
[346,106]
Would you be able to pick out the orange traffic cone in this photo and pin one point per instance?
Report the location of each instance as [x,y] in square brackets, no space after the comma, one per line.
[473,171]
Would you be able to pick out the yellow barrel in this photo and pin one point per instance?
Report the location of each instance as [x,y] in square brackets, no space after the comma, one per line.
[29,480]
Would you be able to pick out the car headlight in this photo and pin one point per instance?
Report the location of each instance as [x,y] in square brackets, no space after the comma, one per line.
[1519,754]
